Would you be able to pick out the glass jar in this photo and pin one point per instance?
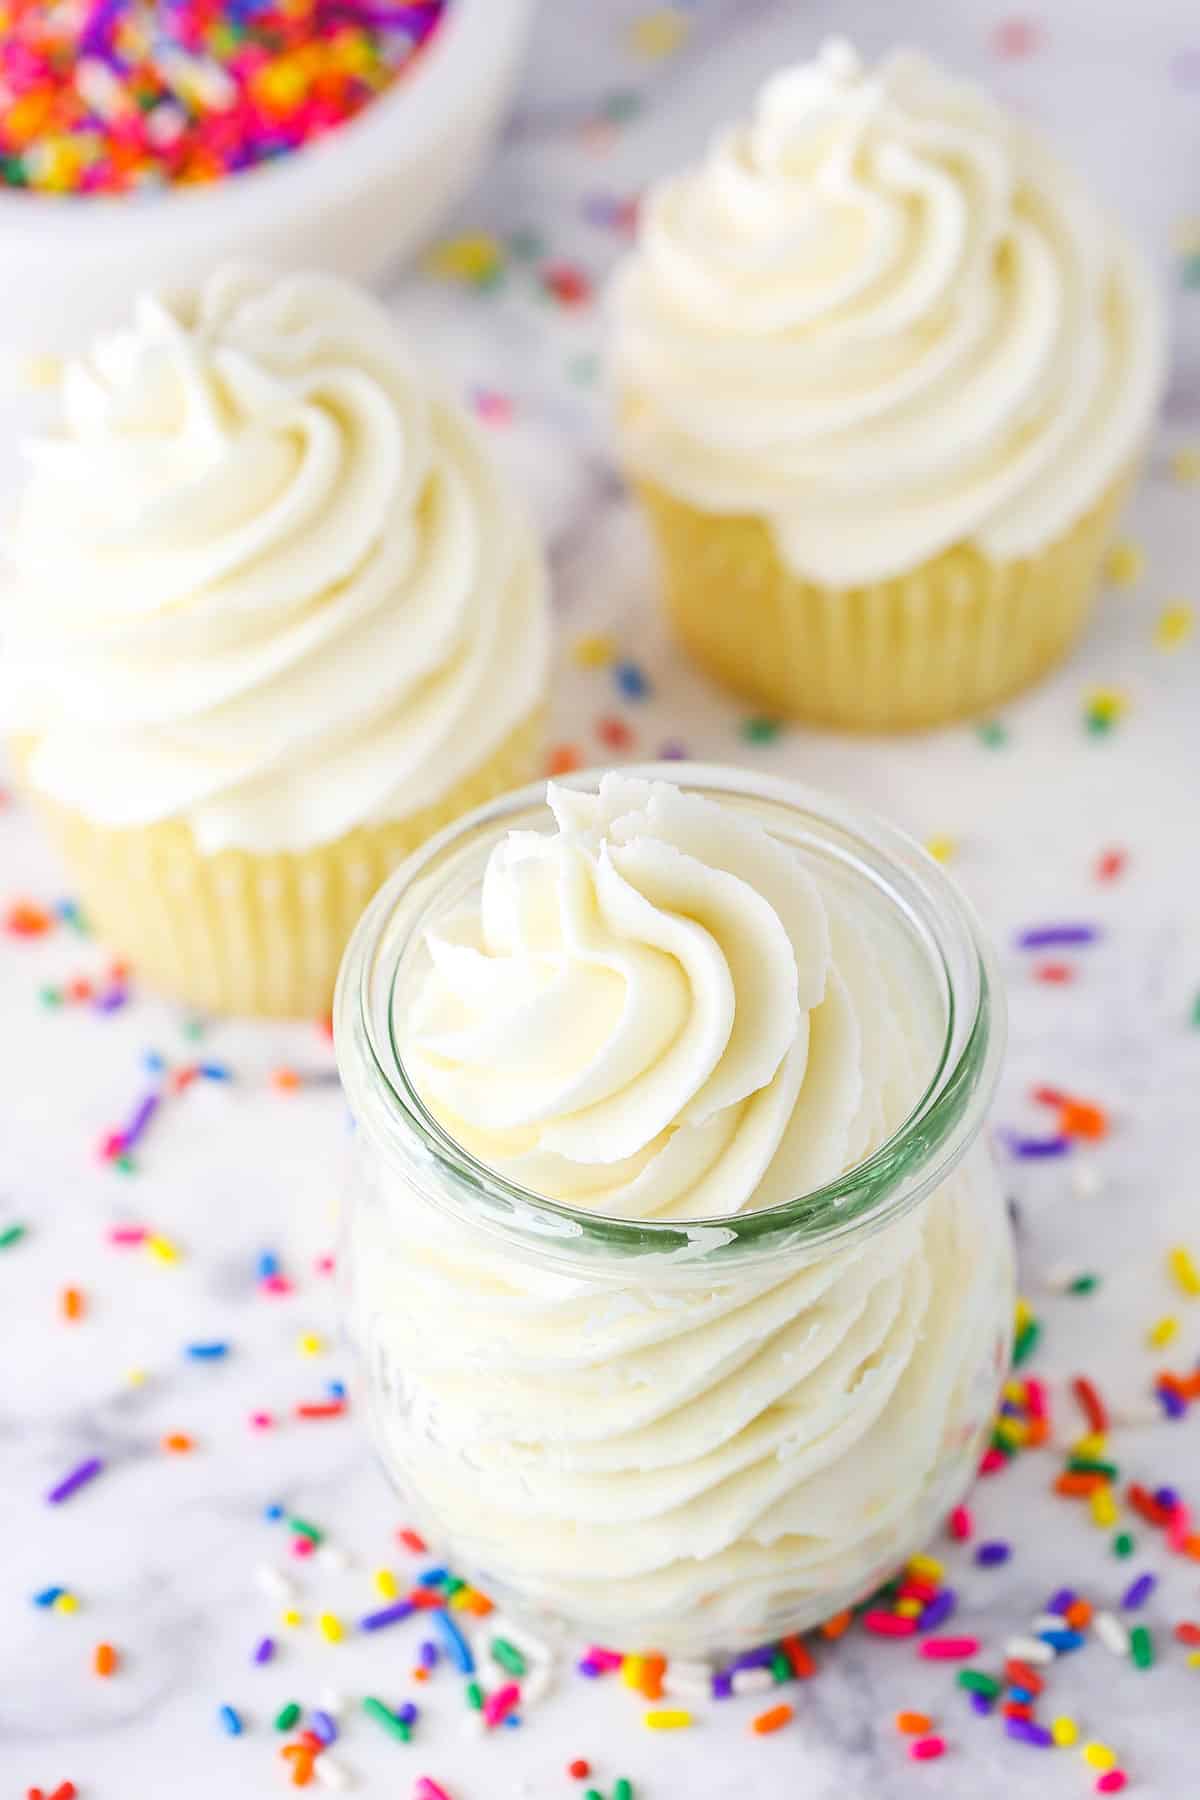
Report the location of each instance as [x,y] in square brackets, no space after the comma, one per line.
[695,1437]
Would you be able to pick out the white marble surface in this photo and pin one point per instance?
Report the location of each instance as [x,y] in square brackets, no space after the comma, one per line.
[161,1548]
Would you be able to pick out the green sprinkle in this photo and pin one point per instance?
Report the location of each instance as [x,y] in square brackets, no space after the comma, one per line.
[453,1585]
[1003,1443]
[1087,1465]
[1099,724]
[976,1682]
[383,1715]
[623,105]
[1084,1284]
[1026,1342]
[508,1656]
[286,1717]
[623,1789]
[303,1529]
[12,1235]
[992,733]
[50,996]
[760,730]
[125,1163]
[1141,1648]
[781,1668]
[1191,271]
[193,1028]
[1123,1544]
[475,1696]
[1196,1012]
[527,245]
[592,1794]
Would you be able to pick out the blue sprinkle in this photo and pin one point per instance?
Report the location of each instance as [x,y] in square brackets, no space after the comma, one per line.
[154,1062]
[631,681]
[456,1645]
[432,1578]
[1062,1640]
[512,1720]
[1139,1591]
[206,1352]
[267,1265]
[323,1725]
[336,1390]
[231,1721]
[48,1596]
[407,1714]
[274,1511]
[215,1071]
[1022,1696]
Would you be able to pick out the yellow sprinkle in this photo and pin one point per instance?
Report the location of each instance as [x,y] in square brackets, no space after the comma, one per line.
[910,1609]
[925,1568]
[386,1585]
[1125,563]
[162,1248]
[1099,1756]
[1162,1332]
[1107,703]
[1174,626]
[1092,1444]
[1014,1391]
[67,1603]
[668,1720]
[291,1617]
[1065,1732]
[594,650]
[472,257]
[311,1344]
[137,1377]
[39,371]
[658,33]
[942,849]
[331,1628]
[631,1671]
[1022,1314]
[1185,465]
[1193,1661]
[1008,1429]
[462,1599]
[1184,1270]
[1105,1511]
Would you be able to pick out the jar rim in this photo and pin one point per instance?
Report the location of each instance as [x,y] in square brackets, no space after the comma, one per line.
[908,1165]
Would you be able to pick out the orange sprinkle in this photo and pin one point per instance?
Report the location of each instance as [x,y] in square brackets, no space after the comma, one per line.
[1036,1432]
[478,1603]
[1075,1483]
[563,758]
[650,1676]
[24,919]
[772,1720]
[913,1724]
[1078,1614]
[178,1441]
[419,1674]
[72,1303]
[1078,1118]
[104,1659]
[838,1625]
[285,1081]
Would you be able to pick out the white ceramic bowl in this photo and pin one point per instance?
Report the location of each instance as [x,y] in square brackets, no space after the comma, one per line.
[354,202]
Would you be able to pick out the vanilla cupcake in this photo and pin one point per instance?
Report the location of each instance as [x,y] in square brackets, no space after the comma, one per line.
[274,620]
[883,375]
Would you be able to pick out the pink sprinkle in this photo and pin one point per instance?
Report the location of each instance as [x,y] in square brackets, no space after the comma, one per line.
[603,1659]
[1112,1781]
[961,1523]
[926,1748]
[261,1421]
[1035,1397]
[127,1234]
[886,1624]
[949,1649]
[275,1284]
[429,1789]
[992,1460]
[1180,1528]
[112,1145]
[497,1706]
[302,1546]
[325,1265]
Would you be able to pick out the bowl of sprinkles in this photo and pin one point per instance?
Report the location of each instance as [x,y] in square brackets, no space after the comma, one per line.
[141,140]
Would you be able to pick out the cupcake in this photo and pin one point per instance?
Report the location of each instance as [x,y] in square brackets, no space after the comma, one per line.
[274,620]
[883,373]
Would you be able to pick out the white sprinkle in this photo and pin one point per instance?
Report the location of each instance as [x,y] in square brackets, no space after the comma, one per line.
[333,1558]
[274,1583]
[1027,1649]
[333,1702]
[752,1681]
[164,124]
[1048,1622]
[535,1685]
[688,1680]
[1085,1183]
[1112,1633]
[329,1773]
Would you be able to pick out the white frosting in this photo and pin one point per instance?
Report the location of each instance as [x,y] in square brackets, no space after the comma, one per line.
[883,316]
[265,581]
[660,1012]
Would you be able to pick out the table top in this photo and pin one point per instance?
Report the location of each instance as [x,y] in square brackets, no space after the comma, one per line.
[161,1548]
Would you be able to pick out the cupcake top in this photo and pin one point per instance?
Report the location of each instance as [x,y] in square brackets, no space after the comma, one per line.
[658,1012]
[884,317]
[265,580]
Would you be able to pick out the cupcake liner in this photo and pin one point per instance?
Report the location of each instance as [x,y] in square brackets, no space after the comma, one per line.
[242,932]
[956,636]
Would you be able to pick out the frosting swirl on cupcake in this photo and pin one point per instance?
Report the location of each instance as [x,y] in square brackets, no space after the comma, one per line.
[264,581]
[884,317]
[653,1013]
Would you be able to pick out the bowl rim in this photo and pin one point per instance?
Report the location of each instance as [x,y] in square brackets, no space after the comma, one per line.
[473,36]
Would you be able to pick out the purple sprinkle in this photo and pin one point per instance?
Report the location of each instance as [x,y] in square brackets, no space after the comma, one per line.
[937,1610]
[264,1650]
[1168,1497]
[982,1704]
[590,1669]
[1026,1732]
[1174,1405]
[989,1555]
[407,1714]
[143,1113]
[1139,1591]
[429,1655]
[1029,1147]
[1060,1601]
[111,1001]
[389,1615]
[324,1726]
[672,751]
[759,1658]
[722,1685]
[70,1484]
[1041,937]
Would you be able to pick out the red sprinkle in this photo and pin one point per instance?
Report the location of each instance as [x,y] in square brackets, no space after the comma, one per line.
[961,1523]
[1187,1633]
[1054,974]
[1110,864]
[412,1540]
[580,1769]
[321,1409]
[798,1656]
[1090,1404]
[927,1748]
[949,1649]
[1022,1676]
[1146,1505]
